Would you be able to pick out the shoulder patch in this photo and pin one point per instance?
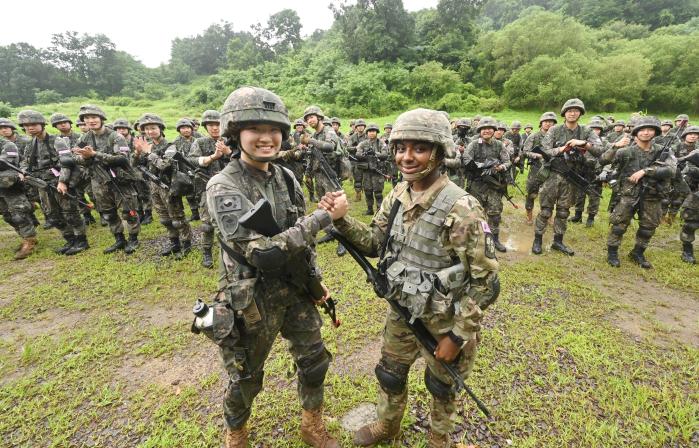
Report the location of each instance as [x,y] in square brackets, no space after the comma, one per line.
[230,202]
[489,246]
[229,207]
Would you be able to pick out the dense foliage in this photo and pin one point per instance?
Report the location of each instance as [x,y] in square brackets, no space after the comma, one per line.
[377,58]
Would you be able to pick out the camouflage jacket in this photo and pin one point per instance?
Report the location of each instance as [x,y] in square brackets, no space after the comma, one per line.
[21,141]
[327,142]
[184,145]
[233,192]
[479,151]
[515,138]
[559,135]
[112,158]
[371,152]
[202,147]
[41,159]
[658,173]
[354,141]
[464,234]
[9,153]
[533,141]
[73,138]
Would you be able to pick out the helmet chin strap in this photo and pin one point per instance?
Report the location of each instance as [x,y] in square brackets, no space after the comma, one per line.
[431,166]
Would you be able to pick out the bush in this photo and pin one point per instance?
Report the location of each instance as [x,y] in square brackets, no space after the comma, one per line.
[5,110]
[119,101]
[48,96]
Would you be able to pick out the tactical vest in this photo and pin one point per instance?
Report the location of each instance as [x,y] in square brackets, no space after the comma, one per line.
[423,276]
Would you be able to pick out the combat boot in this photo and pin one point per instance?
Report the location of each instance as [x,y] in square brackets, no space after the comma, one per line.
[340,251]
[498,245]
[207,259]
[119,244]
[375,432]
[577,217]
[438,441]
[590,220]
[688,253]
[237,438]
[172,248]
[88,218]
[613,256]
[132,244]
[530,217]
[559,246]
[70,240]
[186,249]
[27,248]
[313,430]
[536,246]
[147,217]
[369,212]
[639,258]
[80,245]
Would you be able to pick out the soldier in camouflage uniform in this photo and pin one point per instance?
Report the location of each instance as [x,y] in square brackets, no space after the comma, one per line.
[142,186]
[687,142]
[81,125]
[528,128]
[483,149]
[323,138]
[49,158]
[474,124]
[259,296]
[336,123]
[15,208]
[438,228]
[106,155]
[212,155]
[644,175]
[373,153]
[296,157]
[358,168]
[590,170]
[665,135]
[546,121]
[387,128]
[8,131]
[556,190]
[617,133]
[454,166]
[158,153]
[514,136]
[690,207]
[64,125]
[183,142]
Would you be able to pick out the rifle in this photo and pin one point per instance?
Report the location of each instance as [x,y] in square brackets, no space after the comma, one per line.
[564,170]
[326,169]
[152,177]
[194,170]
[40,183]
[374,168]
[260,219]
[377,277]
[486,171]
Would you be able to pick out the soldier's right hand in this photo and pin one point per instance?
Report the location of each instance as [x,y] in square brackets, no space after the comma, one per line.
[624,141]
[62,188]
[21,177]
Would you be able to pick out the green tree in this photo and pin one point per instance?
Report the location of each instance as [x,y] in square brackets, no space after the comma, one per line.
[283,31]
[205,53]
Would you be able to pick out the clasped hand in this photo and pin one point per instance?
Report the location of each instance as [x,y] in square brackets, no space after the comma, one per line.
[335,203]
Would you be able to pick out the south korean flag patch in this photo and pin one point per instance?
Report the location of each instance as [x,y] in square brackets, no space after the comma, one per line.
[489,243]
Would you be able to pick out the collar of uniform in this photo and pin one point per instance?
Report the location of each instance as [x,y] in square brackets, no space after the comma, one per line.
[258,173]
[426,198]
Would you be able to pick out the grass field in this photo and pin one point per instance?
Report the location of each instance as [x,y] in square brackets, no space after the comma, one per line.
[95,350]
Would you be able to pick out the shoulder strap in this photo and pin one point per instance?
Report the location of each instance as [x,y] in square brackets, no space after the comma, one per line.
[290,186]
[391,217]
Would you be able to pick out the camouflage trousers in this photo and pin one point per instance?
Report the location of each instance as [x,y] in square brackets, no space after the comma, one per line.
[143,194]
[491,201]
[533,186]
[323,185]
[594,197]
[171,213]
[401,346]
[63,211]
[207,229]
[110,204]
[17,211]
[680,190]
[243,352]
[690,215]
[559,193]
[358,176]
[650,214]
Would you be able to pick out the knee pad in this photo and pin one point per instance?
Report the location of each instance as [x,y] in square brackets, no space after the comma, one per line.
[618,229]
[439,389]
[177,224]
[392,375]
[532,195]
[206,228]
[166,222]
[562,213]
[546,213]
[645,232]
[312,368]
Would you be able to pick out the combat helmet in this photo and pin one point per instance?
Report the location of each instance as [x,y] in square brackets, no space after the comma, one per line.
[300,122]
[59,118]
[149,118]
[210,116]
[690,130]
[487,122]
[667,123]
[327,122]
[528,126]
[595,123]
[516,125]
[372,127]
[424,125]
[463,122]
[573,103]
[502,125]
[619,123]
[121,123]
[313,110]
[550,116]
[646,122]
[388,126]
[360,122]
[91,109]
[334,120]
[681,117]
[29,116]
[7,123]
[183,122]
[253,104]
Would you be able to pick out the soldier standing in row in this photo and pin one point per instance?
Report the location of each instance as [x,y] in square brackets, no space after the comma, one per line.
[487,148]
[546,121]
[105,154]
[431,226]
[159,156]
[455,166]
[210,154]
[50,160]
[565,143]
[8,131]
[590,170]
[690,207]
[325,140]
[358,168]
[145,214]
[373,153]
[15,208]
[644,174]
[183,142]
[257,288]
[665,135]
[687,142]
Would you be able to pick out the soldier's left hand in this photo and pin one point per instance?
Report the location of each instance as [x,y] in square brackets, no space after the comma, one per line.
[326,294]
[86,152]
[447,350]
[499,168]
[225,150]
[62,188]
[638,175]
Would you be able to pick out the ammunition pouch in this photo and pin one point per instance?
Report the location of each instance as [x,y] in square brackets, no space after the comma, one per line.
[271,262]
[240,296]
[224,331]
[181,185]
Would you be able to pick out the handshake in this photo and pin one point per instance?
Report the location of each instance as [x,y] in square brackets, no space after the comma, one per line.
[335,203]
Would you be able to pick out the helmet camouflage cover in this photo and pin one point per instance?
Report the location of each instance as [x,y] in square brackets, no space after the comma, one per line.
[372,127]
[210,116]
[487,122]
[121,123]
[149,118]
[334,120]
[254,104]
[463,122]
[313,110]
[7,123]
[29,116]
[91,109]
[548,116]
[59,118]
[690,130]
[359,122]
[183,122]
[646,122]
[573,103]
[424,125]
